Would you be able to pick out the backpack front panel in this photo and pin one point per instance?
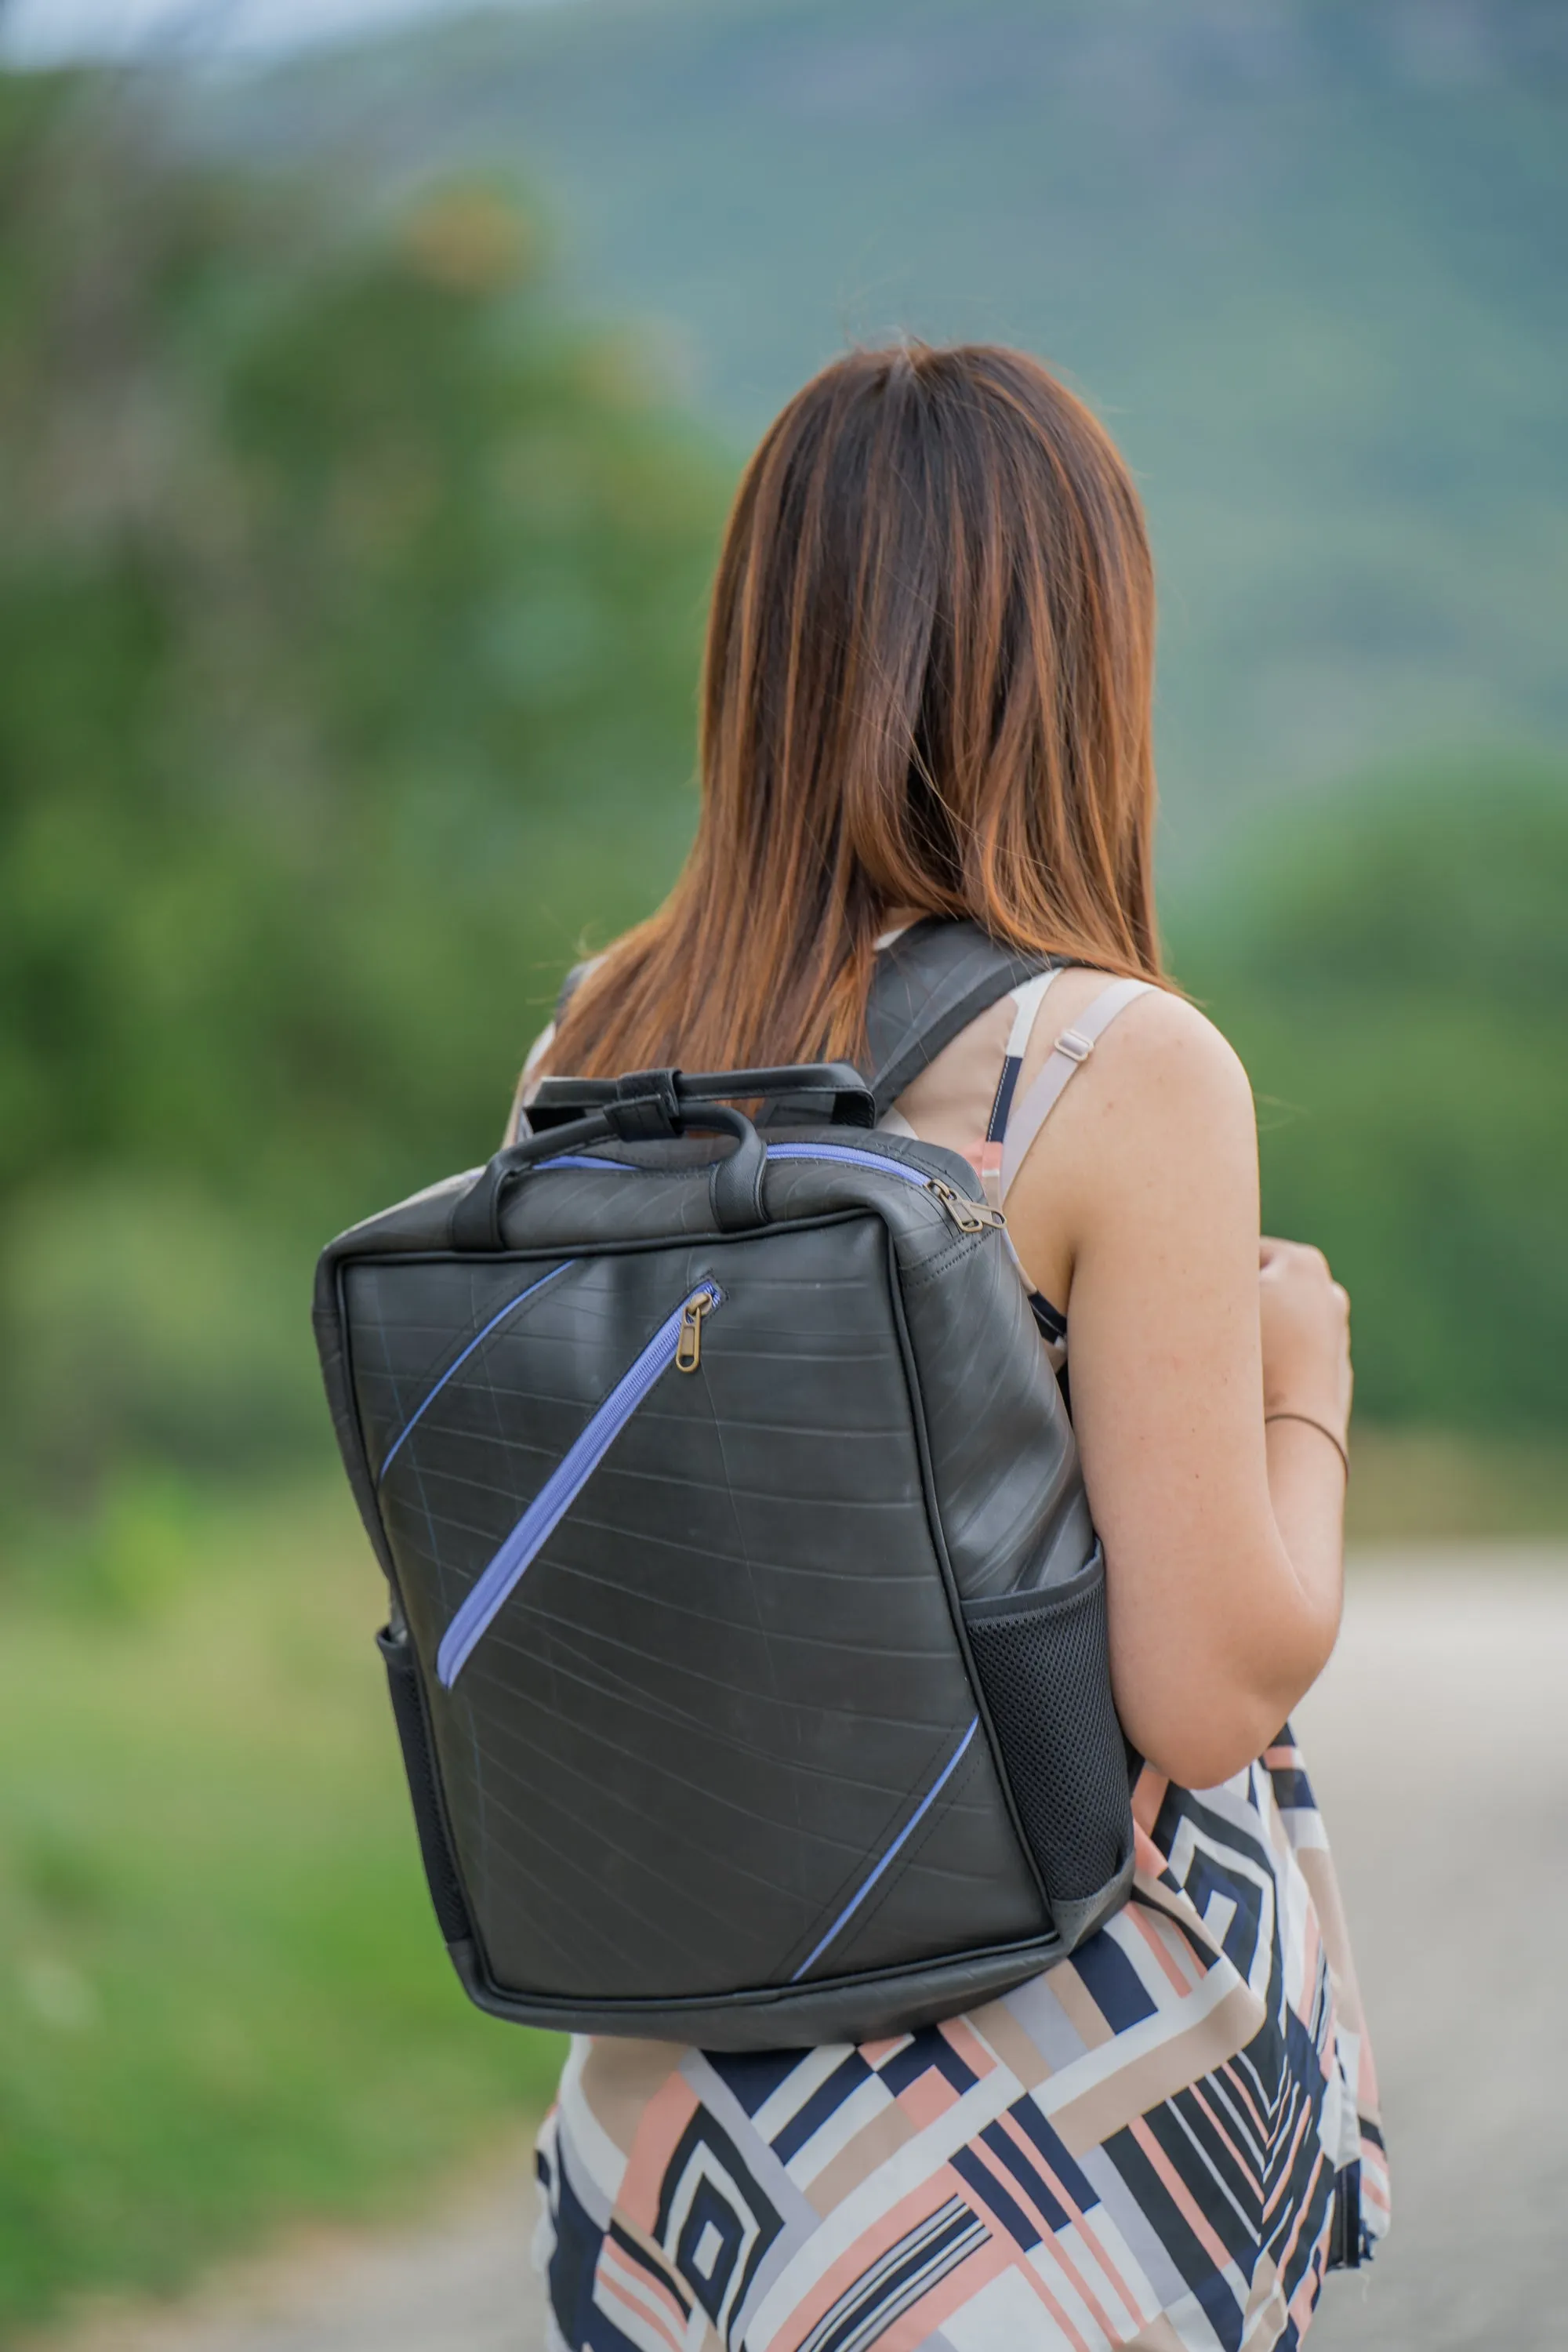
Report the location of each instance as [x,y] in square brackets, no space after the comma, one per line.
[712,1731]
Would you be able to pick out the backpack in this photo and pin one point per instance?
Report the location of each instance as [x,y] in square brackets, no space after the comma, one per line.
[747,1638]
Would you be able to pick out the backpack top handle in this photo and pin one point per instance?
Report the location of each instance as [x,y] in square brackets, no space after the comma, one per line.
[646,1105]
[834,1093]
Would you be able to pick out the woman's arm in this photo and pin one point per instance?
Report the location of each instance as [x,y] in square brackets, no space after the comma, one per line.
[1223,1538]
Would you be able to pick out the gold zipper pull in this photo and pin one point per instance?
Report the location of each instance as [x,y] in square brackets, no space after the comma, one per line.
[969,1216]
[689,1347]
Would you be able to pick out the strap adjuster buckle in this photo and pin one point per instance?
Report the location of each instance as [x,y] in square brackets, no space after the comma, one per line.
[645,1103]
[1074,1045]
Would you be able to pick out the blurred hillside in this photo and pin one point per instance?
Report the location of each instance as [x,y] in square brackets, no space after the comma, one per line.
[1306,254]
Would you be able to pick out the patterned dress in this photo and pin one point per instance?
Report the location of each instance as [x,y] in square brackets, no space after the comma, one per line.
[1158,2143]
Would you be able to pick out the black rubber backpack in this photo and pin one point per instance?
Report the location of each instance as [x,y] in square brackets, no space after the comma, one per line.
[747,1639]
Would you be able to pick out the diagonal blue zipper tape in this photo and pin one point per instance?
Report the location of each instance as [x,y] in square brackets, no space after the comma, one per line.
[423,1407]
[866,1884]
[558,1494]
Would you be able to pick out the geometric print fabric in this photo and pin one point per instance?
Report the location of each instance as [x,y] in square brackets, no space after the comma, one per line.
[1142,2146]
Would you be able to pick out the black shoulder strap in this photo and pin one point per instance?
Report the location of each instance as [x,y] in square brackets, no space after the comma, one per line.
[931,982]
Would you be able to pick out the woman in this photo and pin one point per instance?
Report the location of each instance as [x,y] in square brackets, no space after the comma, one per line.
[928,694]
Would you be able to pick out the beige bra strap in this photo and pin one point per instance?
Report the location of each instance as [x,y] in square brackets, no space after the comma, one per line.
[1027,998]
[1071,1050]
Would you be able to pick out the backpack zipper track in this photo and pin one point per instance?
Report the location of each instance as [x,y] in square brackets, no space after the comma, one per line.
[969,1216]
[509,1565]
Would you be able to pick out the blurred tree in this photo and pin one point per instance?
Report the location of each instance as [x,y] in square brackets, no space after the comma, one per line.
[1391,963]
[350,604]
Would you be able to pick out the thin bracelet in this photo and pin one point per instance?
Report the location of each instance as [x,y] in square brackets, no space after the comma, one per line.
[1321,1426]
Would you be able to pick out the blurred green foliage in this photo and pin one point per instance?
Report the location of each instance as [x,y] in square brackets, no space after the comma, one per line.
[349,608]
[226,2001]
[1391,963]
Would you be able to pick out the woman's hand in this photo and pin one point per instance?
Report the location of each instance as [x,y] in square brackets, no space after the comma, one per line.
[1305,1317]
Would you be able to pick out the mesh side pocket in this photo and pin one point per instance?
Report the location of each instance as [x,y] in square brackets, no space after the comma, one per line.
[1042,1659]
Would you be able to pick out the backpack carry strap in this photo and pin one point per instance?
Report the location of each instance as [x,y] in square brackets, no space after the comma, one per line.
[1069,1053]
[931,982]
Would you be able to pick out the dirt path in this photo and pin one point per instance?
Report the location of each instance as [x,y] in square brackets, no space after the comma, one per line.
[463,2285]
[1438,1741]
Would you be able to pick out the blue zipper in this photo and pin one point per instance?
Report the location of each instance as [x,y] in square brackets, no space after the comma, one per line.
[845,1152]
[423,1407]
[970,1216]
[851,1156]
[505,1572]
[583,1160]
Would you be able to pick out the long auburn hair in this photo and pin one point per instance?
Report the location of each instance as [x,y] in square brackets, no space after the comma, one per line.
[928,686]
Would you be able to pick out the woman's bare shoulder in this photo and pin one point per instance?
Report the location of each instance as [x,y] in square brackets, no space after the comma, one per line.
[1154,1143]
[1164,1051]
[1162,1060]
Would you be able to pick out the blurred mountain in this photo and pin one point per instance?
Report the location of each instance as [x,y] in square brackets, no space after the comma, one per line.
[1306,254]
